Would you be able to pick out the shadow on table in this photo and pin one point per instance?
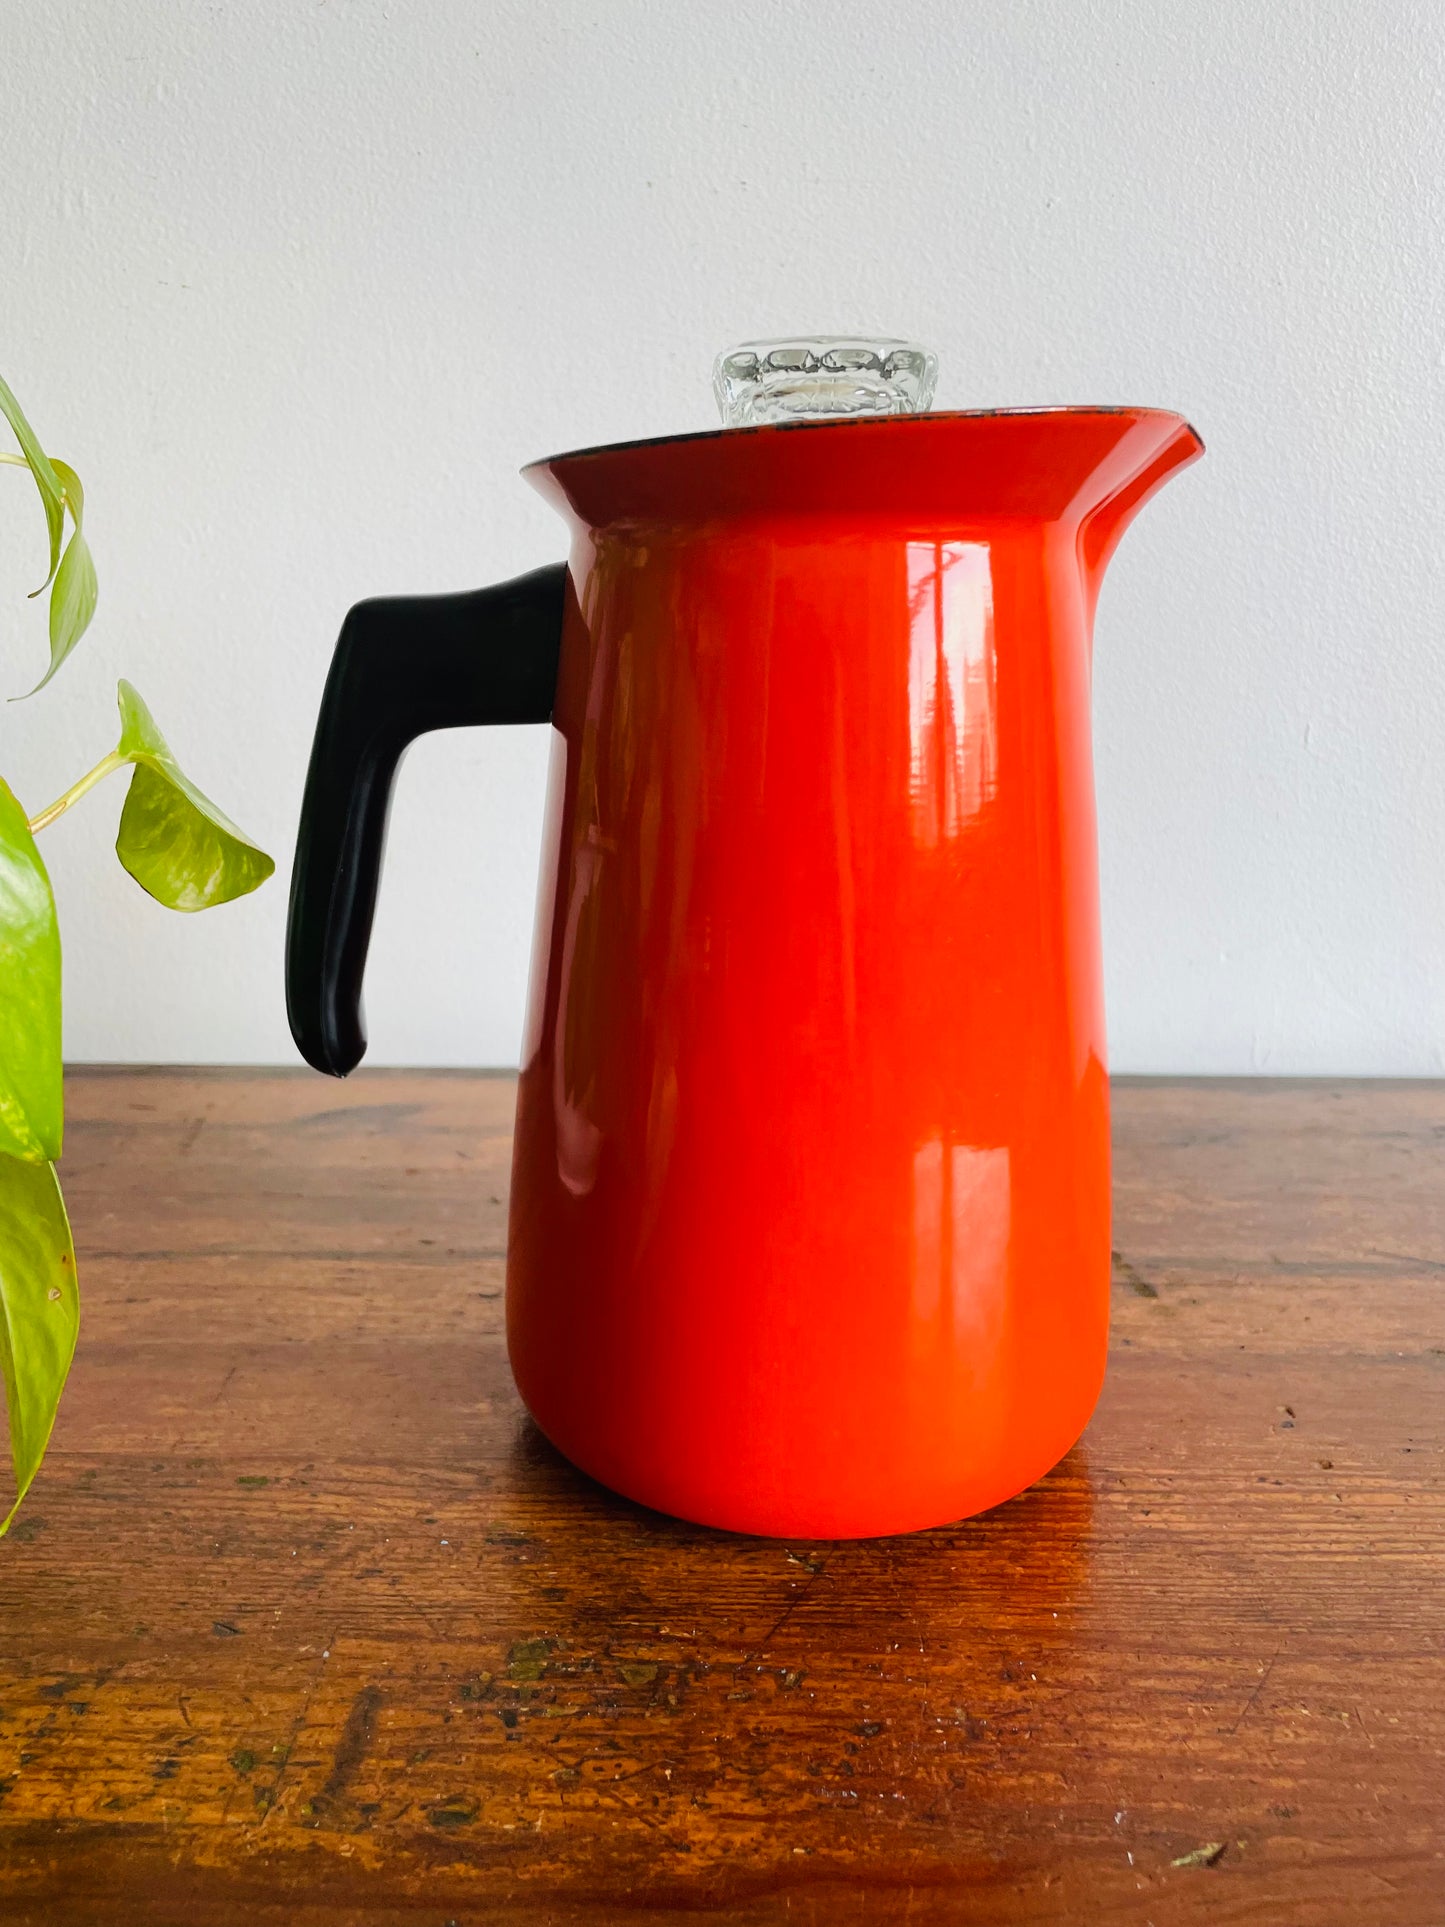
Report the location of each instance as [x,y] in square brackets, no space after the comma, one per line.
[1029,1558]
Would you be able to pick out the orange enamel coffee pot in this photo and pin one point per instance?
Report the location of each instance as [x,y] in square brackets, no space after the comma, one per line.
[810,1196]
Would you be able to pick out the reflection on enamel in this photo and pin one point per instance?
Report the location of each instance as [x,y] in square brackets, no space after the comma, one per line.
[960,1242]
[951,686]
[579,1142]
[535,1021]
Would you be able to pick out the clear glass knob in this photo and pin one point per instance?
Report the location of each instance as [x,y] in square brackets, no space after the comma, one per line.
[818,376]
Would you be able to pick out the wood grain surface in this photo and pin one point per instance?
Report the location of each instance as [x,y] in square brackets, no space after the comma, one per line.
[304,1623]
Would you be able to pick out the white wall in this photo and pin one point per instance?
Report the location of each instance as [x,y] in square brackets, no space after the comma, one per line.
[299,284]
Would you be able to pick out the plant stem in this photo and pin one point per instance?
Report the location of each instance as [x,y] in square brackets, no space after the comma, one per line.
[73,795]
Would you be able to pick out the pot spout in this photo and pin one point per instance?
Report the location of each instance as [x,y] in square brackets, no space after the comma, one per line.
[1137,467]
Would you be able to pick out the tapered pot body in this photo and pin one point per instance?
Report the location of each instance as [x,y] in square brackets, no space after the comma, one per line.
[810,1205]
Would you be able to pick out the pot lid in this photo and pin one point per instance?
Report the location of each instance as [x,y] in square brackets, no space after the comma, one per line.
[842,423]
[822,378]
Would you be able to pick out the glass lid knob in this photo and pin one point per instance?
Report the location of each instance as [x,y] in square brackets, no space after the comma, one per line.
[818,377]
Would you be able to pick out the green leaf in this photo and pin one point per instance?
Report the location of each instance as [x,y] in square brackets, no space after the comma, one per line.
[46,480]
[173,840]
[30,1072]
[72,600]
[39,1311]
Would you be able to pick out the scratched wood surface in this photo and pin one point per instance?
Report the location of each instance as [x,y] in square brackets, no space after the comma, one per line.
[303,1623]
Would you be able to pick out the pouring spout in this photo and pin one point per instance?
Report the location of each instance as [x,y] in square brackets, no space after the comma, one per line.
[1142,462]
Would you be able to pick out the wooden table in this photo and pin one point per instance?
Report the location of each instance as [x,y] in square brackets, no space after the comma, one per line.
[304,1624]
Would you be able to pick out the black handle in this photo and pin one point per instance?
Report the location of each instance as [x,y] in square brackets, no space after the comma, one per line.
[403,665]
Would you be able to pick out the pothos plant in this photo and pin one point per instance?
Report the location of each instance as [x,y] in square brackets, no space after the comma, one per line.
[182,851]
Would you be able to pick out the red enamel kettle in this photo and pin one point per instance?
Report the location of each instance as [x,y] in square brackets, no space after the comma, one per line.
[810,1200]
